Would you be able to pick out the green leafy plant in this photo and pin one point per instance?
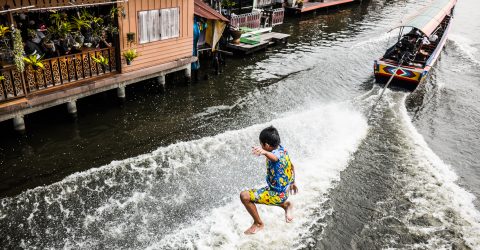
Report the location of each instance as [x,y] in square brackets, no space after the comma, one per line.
[4,30]
[103,61]
[97,20]
[80,23]
[58,18]
[111,29]
[228,4]
[34,60]
[31,33]
[86,16]
[18,51]
[130,55]
[64,29]
[2,78]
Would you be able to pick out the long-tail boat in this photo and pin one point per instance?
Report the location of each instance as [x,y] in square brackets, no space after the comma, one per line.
[421,39]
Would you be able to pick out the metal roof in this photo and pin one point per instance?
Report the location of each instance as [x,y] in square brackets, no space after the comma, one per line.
[429,17]
[204,10]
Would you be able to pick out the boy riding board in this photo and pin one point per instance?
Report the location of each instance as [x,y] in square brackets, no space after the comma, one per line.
[280,180]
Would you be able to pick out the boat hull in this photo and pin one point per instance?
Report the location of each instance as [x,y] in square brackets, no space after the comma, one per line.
[408,78]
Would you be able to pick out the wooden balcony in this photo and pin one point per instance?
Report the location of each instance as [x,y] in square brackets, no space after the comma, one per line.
[59,72]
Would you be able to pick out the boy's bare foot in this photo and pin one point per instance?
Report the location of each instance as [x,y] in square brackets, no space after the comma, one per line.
[255,228]
[288,211]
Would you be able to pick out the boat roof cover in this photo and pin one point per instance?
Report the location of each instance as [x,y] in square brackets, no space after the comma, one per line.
[429,17]
[204,10]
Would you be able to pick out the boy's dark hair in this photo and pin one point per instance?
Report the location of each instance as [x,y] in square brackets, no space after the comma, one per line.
[270,136]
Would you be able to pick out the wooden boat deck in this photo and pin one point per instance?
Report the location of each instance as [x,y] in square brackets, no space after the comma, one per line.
[310,6]
[266,39]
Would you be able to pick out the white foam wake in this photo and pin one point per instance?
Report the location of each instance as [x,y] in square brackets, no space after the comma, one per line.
[465,45]
[436,193]
[320,142]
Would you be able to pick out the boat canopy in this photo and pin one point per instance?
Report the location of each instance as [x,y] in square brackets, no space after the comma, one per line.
[429,17]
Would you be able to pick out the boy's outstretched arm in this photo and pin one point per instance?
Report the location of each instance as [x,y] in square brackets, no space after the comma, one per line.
[293,185]
[260,151]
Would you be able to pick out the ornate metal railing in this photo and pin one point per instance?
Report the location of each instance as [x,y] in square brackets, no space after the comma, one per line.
[56,72]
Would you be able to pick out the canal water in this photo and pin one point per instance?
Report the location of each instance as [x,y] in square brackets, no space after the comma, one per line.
[164,169]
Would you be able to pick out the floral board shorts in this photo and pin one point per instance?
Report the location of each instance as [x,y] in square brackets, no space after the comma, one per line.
[267,196]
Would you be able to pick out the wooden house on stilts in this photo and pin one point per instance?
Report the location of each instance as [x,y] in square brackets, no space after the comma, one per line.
[54,52]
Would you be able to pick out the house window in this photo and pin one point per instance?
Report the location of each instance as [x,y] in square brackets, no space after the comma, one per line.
[154,25]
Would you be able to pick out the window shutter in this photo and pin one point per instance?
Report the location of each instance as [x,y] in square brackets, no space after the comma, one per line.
[142,27]
[170,20]
[154,25]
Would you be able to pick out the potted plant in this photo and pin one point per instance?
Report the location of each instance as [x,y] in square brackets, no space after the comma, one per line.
[300,3]
[129,55]
[48,43]
[3,30]
[64,29]
[228,5]
[80,23]
[130,37]
[4,41]
[102,61]
[236,33]
[34,60]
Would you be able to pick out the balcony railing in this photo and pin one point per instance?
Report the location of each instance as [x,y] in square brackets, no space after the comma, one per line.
[277,16]
[249,20]
[58,71]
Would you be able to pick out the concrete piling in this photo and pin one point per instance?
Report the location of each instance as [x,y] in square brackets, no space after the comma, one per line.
[161,80]
[121,92]
[72,107]
[188,72]
[19,123]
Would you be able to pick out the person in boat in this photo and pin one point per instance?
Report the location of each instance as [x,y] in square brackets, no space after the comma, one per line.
[433,38]
[280,180]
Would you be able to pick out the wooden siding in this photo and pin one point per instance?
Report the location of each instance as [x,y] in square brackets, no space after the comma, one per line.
[158,52]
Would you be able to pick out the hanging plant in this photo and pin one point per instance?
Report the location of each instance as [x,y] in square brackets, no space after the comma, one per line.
[3,30]
[130,37]
[129,55]
[102,61]
[18,51]
[34,60]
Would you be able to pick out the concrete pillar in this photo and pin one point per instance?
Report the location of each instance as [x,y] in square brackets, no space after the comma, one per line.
[121,92]
[188,72]
[72,107]
[19,123]
[161,80]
